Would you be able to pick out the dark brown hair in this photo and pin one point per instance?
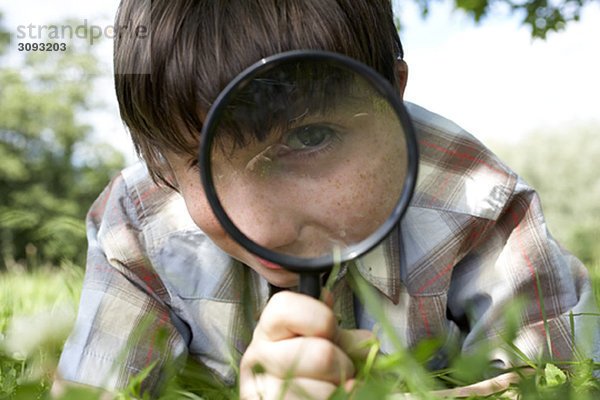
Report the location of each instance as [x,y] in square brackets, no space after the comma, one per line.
[166,81]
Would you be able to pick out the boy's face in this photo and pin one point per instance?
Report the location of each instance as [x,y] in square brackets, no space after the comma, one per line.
[303,200]
[188,178]
[324,181]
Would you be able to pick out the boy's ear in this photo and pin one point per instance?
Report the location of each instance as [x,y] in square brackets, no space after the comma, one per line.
[401,75]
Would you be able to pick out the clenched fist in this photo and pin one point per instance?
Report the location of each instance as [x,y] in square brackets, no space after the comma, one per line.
[298,348]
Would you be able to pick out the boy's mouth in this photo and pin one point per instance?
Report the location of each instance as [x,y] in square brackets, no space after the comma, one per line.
[268,264]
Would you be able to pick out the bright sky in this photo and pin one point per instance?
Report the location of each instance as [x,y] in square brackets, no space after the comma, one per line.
[497,82]
[492,78]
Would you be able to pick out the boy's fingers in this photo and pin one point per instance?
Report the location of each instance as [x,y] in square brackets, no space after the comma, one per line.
[355,342]
[289,314]
[486,387]
[306,357]
[349,385]
[266,386]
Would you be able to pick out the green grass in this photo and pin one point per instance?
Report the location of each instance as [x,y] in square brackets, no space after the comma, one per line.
[37,310]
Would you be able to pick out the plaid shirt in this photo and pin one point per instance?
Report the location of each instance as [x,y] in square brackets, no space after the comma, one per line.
[473,238]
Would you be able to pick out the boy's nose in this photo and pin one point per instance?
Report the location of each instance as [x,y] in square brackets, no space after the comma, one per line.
[272,227]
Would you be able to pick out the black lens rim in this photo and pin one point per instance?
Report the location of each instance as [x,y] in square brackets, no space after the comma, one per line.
[323,263]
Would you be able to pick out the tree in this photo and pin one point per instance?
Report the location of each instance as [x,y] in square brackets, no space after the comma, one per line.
[542,16]
[50,170]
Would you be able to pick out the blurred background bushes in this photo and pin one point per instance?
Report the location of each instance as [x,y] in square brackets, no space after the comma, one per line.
[50,169]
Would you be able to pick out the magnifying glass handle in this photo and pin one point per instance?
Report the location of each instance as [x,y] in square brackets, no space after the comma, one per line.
[310,284]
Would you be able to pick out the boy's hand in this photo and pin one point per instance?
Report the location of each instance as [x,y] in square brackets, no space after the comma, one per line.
[298,348]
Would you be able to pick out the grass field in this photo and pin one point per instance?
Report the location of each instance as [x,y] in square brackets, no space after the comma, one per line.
[37,310]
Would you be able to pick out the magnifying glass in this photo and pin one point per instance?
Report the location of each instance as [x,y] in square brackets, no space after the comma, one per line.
[308,159]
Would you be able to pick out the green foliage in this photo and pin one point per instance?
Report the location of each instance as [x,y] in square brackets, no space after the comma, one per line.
[554,375]
[36,314]
[30,343]
[50,171]
[195,381]
[4,38]
[542,16]
[133,390]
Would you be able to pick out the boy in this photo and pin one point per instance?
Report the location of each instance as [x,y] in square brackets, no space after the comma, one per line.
[472,240]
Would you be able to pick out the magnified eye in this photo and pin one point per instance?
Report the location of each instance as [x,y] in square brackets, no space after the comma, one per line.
[309,137]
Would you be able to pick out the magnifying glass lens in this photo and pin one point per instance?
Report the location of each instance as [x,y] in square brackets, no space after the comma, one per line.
[308,158]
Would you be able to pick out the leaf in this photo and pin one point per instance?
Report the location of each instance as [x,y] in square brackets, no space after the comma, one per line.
[133,390]
[554,375]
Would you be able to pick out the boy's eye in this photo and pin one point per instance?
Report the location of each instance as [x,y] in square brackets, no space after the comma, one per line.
[193,165]
[309,136]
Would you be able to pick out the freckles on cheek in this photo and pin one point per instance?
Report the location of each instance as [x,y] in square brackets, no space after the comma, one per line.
[201,213]
[204,218]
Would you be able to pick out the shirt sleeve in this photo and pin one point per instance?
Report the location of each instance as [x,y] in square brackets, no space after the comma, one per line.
[517,258]
[123,325]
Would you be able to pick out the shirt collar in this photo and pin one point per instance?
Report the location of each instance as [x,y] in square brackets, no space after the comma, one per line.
[381,267]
